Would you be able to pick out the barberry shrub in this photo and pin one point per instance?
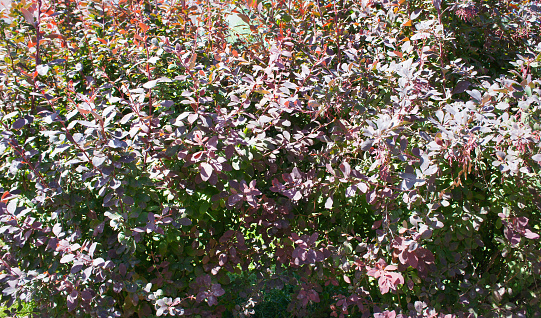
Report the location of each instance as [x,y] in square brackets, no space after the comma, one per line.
[176,157]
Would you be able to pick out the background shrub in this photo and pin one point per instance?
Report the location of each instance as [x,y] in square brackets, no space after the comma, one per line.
[343,158]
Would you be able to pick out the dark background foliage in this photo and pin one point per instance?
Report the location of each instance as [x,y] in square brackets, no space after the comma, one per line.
[326,158]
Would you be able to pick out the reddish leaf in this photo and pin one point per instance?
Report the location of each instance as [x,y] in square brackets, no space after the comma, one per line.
[143,27]
[376,224]
[28,16]
[4,196]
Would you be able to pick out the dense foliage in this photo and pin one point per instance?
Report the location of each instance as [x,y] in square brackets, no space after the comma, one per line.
[363,158]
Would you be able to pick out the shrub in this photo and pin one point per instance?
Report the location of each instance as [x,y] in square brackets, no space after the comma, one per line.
[363,157]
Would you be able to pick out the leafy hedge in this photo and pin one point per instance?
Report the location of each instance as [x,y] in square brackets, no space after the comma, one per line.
[363,158]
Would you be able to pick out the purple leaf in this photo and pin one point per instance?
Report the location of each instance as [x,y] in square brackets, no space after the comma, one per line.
[98,262]
[531,235]
[367,144]
[212,143]
[98,160]
[126,118]
[431,170]
[150,84]
[362,187]
[57,230]
[86,296]
[297,196]
[511,236]
[222,259]
[9,291]
[127,200]
[185,221]
[122,269]
[415,14]
[345,168]
[92,248]
[67,258]
[217,290]
[72,300]
[461,87]
[328,203]
[211,300]
[87,272]
[192,118]
[42,69]
[233,199]
[76,268]
[371,197]
[419,305]
[475,94]
[350,191]
[206,171]
[19,123]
